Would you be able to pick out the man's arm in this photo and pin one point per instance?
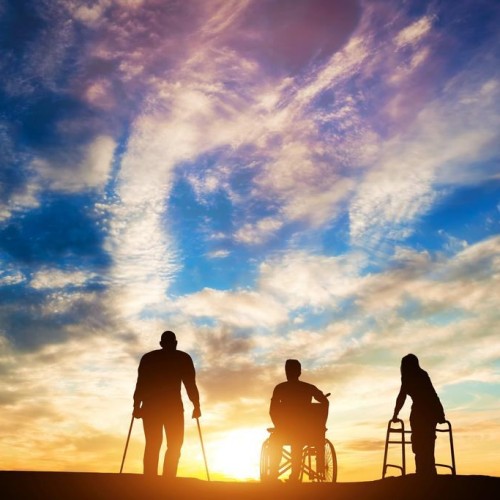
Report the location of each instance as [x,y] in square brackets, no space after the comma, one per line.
[189,380]
[138,393]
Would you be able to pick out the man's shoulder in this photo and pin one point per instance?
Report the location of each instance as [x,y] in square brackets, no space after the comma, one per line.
[306,386]
[151,357]
[281,386]
[152,354]
[182,355]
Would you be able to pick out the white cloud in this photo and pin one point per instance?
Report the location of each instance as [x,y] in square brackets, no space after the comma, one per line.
[99,93]
[25,199]
[414,32]
[445,136]
[407,68]
[299,279]
[91,173]
[56,278]
[260,232]
[10,277]
[245,309]
[219,254]
[466,282]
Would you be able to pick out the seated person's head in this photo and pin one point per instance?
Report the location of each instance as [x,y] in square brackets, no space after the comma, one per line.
[292,369]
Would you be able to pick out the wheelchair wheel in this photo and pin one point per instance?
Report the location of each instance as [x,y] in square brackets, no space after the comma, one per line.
[311,471]
[330,463]
[265,470]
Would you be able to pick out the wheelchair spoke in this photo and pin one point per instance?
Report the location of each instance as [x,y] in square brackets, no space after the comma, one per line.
[330,474]
[317,464]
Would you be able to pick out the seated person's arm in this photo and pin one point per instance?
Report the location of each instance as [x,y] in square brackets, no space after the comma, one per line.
[275,409]
[320,397]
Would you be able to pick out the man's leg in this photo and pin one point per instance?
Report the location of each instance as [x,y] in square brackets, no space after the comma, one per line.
[320,455]
[153,429]
[174,430]
[275,453]
[296,452]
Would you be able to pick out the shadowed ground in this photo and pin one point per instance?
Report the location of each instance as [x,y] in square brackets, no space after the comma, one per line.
[76,485]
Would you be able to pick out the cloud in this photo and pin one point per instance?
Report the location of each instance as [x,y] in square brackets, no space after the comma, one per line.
[464,282]
[73,374]
[241,308]
[37,39]
[92,172]
[15,193]
[11,277]
[400,188]
[57,278]
[365,445]
[414,32]
[255,234]
[301,280]
[283,45]
[218,254]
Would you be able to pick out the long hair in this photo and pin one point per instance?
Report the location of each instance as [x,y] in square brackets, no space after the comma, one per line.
[409,365]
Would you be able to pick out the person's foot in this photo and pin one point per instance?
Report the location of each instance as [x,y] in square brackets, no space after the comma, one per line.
[168,477]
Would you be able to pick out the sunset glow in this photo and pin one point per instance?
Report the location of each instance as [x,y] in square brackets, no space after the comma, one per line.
[269,179]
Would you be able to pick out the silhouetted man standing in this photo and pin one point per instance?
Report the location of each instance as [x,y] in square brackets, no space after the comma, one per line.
[157,400]
[426,412]
[290,411]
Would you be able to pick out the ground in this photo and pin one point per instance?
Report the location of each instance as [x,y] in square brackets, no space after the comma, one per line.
[74,486]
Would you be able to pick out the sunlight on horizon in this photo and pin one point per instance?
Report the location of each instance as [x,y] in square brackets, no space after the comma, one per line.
[237,456]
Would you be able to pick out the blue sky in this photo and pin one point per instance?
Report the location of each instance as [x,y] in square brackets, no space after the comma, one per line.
[269,179]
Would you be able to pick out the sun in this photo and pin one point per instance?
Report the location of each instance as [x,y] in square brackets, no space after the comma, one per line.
[236,456]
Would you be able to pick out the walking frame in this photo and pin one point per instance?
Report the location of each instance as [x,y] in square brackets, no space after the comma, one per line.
[403,437]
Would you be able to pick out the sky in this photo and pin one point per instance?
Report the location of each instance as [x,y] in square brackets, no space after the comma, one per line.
[269,179]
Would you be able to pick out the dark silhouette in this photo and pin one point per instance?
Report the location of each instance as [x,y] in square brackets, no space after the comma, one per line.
[426,412]
[290,411]
[86,485]
[157,400]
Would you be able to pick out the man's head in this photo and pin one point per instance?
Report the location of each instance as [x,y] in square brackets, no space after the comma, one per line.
[168,341]
[292,369]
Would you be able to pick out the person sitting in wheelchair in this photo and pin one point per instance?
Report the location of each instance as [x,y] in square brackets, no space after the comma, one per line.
[297,421]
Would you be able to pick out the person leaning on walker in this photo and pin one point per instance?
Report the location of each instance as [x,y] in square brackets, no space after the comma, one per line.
[426,412]
[157,400]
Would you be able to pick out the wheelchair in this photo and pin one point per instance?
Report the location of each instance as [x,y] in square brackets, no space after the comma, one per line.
[313,467]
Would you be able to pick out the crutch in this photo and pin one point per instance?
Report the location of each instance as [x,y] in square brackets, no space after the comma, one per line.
[126,444]
[203,448]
